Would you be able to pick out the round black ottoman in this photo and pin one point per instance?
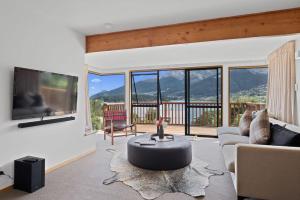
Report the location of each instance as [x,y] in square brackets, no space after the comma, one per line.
[168,155]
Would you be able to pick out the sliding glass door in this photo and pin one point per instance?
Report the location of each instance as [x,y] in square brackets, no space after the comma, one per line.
[190,100]
[172,105]
[145,100]
[203,101]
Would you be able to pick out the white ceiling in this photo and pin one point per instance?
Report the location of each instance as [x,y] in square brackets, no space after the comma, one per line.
[90,16]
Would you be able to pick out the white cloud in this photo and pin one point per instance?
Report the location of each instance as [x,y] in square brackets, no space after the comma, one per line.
[95,80]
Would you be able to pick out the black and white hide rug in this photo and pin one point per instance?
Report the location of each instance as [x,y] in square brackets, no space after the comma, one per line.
[191,180]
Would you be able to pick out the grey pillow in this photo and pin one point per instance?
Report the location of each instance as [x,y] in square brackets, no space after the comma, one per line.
[245,122]
[260,128]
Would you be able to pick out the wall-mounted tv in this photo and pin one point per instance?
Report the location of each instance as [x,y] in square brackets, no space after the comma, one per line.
[39,93]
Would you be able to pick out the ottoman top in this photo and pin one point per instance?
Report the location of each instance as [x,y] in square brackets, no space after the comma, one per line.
[159,155]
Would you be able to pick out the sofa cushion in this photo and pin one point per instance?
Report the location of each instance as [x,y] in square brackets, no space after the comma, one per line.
[281,136]
[245,122]
[228,139]
[260,128]
[228,130]
[229,157]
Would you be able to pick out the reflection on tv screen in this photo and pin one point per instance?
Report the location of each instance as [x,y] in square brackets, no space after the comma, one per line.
[39,94]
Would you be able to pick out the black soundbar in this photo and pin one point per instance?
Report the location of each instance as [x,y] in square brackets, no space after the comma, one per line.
[43,122]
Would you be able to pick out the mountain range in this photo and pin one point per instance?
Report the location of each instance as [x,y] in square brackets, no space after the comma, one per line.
[202,86]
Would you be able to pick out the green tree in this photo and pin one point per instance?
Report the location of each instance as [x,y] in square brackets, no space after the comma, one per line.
[96,113]
[207,118]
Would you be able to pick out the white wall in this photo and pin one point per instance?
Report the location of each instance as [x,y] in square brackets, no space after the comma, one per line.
[30,41]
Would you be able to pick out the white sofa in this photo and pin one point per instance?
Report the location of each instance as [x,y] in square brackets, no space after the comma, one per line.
[261,171]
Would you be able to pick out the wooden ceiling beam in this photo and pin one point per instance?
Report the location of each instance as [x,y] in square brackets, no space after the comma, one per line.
[254,25]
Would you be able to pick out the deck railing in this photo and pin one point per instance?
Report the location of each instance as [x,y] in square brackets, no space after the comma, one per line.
[237,109]
[201,113]
[113,106]
[144,113]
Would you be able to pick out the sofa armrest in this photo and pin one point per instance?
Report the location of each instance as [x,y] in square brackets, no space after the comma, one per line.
[267,172]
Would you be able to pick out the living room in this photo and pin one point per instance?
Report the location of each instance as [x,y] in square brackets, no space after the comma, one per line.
[107,46]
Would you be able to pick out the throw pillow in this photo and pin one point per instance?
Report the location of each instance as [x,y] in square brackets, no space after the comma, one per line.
[281,136]
[260,128]
[245,122]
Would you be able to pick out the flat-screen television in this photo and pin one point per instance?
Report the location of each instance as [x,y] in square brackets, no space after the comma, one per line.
[39,93]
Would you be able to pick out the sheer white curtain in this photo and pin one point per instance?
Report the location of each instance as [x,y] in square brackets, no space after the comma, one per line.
[281,83]
[88,119]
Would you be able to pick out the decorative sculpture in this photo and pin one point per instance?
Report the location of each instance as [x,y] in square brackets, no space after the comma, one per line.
[160,128]
[160,136]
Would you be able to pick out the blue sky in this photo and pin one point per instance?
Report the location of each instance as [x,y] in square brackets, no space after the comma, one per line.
[98,83]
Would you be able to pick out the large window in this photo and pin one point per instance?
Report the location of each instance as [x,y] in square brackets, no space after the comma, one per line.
[248,89]
[105,90]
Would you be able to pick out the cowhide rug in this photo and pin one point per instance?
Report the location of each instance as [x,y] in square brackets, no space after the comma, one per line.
[191,180]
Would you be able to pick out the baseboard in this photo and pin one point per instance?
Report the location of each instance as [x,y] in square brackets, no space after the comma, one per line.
[68,161]
[60,165]
[8,188]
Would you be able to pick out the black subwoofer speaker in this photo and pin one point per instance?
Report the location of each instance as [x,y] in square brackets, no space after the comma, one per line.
[29,174]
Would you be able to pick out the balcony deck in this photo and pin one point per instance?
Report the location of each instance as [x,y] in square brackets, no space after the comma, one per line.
[204,116]
[175,129]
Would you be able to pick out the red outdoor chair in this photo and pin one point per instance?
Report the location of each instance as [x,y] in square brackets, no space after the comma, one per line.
[115,124]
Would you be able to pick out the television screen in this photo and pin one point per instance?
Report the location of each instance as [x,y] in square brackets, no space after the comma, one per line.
[38,94]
